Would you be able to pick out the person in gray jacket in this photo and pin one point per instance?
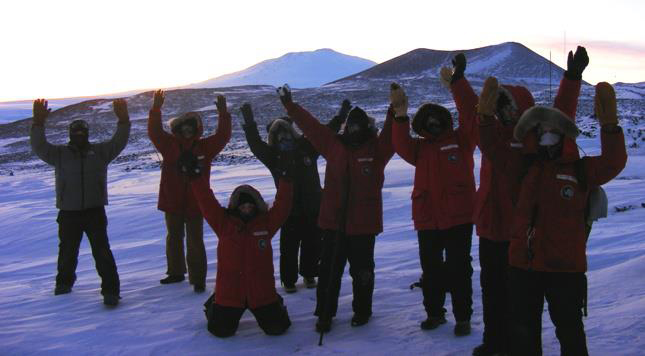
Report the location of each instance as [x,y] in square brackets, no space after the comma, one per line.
[81,193]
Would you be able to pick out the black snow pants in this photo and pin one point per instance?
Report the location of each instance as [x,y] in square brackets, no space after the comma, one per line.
[564,293]
[493,259]
[359,251]
[454,276]
[71,226]
[299,233]
[223,321]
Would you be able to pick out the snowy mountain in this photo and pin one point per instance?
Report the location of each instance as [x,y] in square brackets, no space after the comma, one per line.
[299,69]
[508,61]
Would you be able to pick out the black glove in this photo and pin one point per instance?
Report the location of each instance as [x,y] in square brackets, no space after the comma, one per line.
[576,63]
[286,164]
[285,94]
[459,65]
[345,107]
[247,114]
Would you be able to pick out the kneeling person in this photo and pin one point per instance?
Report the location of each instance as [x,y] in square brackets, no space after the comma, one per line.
[245,257]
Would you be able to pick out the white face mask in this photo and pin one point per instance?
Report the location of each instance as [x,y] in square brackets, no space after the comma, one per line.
[549,139]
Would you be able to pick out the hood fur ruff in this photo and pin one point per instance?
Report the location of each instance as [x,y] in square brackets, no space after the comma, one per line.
[234,202]
[177,121]
[542,115]
[276,126]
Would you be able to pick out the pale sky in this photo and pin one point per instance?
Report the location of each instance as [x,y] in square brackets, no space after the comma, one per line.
[56,49]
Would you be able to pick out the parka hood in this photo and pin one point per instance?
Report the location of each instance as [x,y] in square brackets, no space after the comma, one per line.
[176,122]
[427,110]
[276,126]
[234,202]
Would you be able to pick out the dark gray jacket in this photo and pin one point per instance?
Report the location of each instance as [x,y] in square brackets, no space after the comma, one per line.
[81,176]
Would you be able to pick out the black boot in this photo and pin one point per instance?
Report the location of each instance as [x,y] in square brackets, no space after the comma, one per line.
[111,300]
[199,288]
[62,289]
[433,322]
[172,279]
[462,328]
[485,350]
[360,319]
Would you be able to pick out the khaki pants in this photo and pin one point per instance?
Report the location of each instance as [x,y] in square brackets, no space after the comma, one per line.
[195,251]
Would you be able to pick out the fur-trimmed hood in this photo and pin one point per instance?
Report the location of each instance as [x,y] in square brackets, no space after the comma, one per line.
[430,109]
[177,121]
[234,202]
[520,97]
[276,126]
[543,115]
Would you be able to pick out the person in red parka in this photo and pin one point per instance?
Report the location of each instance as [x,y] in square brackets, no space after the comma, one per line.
[548,239]
[443,196]
[175,197]
[244,255]
[497,195]
[351,210]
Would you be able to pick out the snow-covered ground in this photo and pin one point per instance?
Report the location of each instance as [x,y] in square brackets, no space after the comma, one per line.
[156,319]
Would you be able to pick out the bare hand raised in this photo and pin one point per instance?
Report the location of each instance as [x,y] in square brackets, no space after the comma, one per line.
[158,99]
[121,110]
[40,112]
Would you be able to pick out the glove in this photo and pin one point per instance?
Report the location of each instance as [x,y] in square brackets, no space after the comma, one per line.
[459,65]
[398,101]
[345,107]
[247,114]
[605,104]
[445,76]
[285,94]
[488,97]
[221,104]
[576,63]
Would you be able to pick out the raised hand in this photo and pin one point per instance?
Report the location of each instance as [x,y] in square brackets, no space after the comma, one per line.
[221,104]
[158,99]
[121,110]
[605,104]
[445,76]
[398,101]
[285,94]
[40,112]
[345,107]
[459,65]
[576,63]
[247,114]
[488,97]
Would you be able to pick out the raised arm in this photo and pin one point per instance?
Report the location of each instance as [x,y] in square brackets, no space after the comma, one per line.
[567,98]
[601,169]
[465,100]
[260,149]
[385,144]
[211,209]
[491,144]
[404,145]
[112,148]
[49,153]
[281,208]
[159,137]
[320,136]
[216,142]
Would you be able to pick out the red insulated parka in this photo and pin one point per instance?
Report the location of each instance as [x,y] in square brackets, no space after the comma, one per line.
[501,154]
[362,166]
[244,254]
[552,200]
[175,195]
[444,184]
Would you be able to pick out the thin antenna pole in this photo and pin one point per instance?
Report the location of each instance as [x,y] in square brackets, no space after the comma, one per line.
[550,70]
